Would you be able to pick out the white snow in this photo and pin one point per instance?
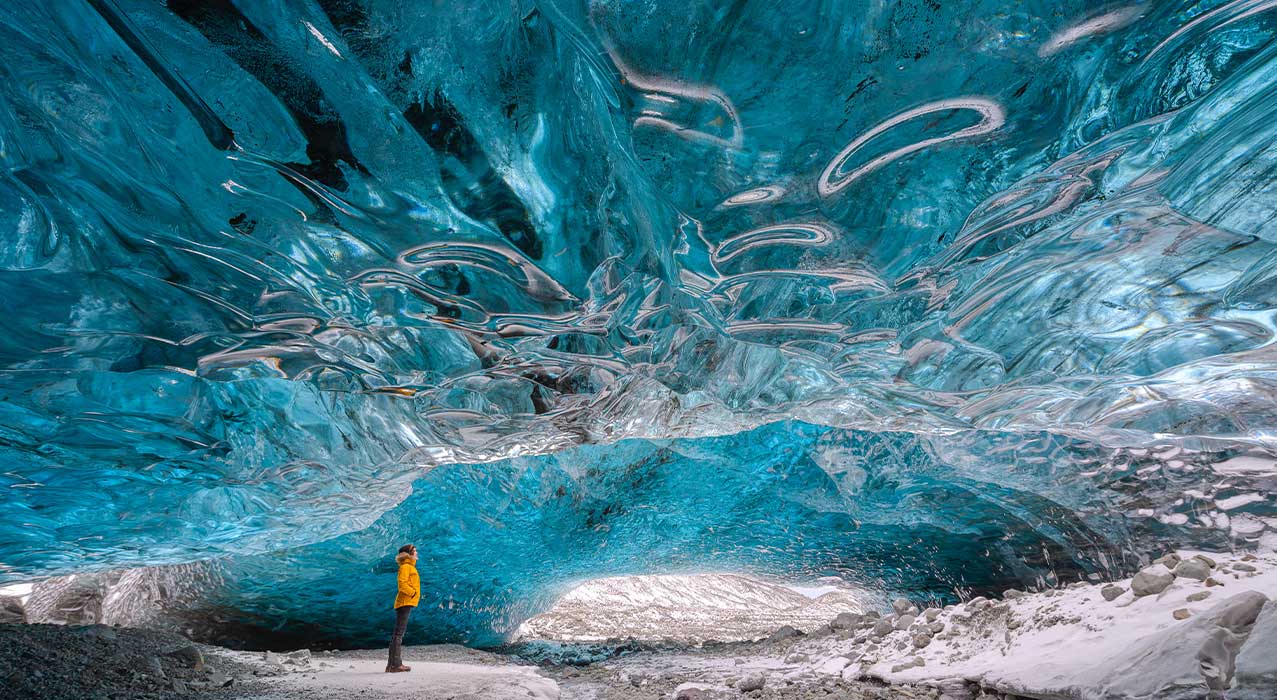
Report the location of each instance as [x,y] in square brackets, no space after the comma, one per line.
[1055,640]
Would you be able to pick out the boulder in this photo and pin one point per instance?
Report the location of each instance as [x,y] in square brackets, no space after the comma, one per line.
[785,632]
[931,614]
[921,640]
[1112,592]
[903,622]
[901,605]
[1192,568]
[1240,566]
[1152,580]
[1210,563]
[883,627]
[690,691]
[1256,667]
[935,627]
[845,621]
[751,683]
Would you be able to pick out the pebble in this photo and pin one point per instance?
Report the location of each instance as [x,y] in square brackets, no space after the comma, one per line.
[1181,614]
[1112,592]
[1239,566]
[1199,596]
[904,621]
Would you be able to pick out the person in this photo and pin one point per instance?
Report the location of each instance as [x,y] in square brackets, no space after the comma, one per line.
[405,600]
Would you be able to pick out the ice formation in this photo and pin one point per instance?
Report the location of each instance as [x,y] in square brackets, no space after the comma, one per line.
[943,297]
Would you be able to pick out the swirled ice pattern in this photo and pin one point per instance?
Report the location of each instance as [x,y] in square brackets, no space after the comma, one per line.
[266,265]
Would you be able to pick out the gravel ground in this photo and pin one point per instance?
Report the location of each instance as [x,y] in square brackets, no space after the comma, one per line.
[96,662]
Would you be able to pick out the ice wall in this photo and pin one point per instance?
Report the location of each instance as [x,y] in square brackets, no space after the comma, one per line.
[267,264]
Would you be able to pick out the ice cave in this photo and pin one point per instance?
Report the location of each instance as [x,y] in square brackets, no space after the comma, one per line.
[704,349]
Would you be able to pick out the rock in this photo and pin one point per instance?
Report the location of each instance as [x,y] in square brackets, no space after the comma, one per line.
[100,633]
[916,662]
[689,691]
[188,656]
[1077,585]
[155,668]
[301,657]
[1256,667]
[217,679]
[1181,614]
[1199,596]
[1170,561]
[845,621]
[1013,594]
[750,683]
[921,640]
[1249,557]
[1111,592]
[901,606]
[1192,568]
[785,632]
[954,689]
[936,627]
[12,611]
[931,614]
[904,621]
[883,627]
[977,603]
[1239,566]
[1152,580]
[797,658]
[1212,582]
[1210,563]
[1185,661]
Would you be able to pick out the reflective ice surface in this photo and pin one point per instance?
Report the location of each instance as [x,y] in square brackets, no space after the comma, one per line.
[267,264]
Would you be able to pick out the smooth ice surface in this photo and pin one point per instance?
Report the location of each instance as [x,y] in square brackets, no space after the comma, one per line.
[267,264]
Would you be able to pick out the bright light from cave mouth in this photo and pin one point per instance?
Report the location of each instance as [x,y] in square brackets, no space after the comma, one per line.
[688,608]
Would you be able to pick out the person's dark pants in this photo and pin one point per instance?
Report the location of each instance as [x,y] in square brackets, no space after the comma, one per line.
[396,639]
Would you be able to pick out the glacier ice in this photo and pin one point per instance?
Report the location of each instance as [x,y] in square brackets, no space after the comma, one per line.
[992,287]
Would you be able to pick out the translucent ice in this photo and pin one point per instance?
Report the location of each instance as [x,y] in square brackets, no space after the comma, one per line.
[266,265]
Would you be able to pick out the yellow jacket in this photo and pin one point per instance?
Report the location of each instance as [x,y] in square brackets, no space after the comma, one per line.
[409,586]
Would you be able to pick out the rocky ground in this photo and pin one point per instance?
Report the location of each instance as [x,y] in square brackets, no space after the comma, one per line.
[1191,625]
[98,662]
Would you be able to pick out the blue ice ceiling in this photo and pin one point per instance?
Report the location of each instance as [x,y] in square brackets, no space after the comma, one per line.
[267,264]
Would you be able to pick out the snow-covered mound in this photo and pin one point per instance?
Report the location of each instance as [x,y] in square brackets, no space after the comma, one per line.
[685,608]
[1191,625]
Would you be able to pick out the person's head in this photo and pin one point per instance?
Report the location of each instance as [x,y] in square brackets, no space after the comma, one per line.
[406,553]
